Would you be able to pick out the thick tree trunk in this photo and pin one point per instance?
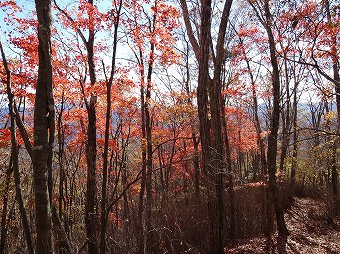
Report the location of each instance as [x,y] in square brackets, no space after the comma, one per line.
[274,126]
[43,129]
[216,245]
[91,187]
[213,150]
[91,148]
[218,165]
[218,140]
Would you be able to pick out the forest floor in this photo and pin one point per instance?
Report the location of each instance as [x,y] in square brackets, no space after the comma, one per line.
[311,231]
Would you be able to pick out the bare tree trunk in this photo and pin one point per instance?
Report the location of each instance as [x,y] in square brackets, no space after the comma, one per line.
[25,223]
[148,244]
[148,183]
[140,237]
[230,174]
[62,242]
[196,165]
[257,124]
[336,75]
[109,81]
[91,213]
[195,140]
[91,147]
[61,158]
[275,117]
[91,189]
[216,245]
[43,129]
[285,120]
[295,140]
[4,225]
[213,147]
[274,126]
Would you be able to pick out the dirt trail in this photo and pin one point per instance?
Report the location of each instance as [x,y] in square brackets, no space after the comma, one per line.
[311,232]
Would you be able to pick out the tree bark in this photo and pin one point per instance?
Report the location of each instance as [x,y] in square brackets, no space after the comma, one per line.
[43,129]
[274,126]
[285,120]
[4,226]
[103,221]
[336,77]
[195,140]
[295,140]
[61,158]
[213,146]
[148,183]
[91,147]
[140,238]
[230,174]
[147,245]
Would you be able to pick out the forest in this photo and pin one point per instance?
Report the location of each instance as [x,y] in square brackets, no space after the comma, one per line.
[169,126]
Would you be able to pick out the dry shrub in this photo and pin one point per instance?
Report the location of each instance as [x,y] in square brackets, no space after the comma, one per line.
[182,226]
[251,210]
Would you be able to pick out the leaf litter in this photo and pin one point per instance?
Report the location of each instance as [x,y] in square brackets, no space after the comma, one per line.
[312,231]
